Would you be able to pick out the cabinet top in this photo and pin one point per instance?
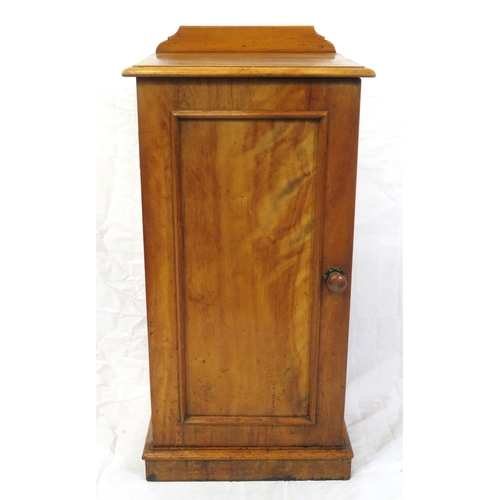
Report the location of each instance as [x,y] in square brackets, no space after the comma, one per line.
[232,51]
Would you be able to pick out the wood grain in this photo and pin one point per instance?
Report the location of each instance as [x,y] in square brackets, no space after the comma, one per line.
[159,257]
[244,464]
[248,145]
[157,99]
[243,51]
[246,39]
[152,452]
[224,64]
[248,470]
[247,188]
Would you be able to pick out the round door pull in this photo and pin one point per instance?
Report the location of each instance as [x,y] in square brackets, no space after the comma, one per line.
[335,279]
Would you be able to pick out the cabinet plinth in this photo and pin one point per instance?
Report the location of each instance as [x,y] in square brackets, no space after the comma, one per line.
[248,150]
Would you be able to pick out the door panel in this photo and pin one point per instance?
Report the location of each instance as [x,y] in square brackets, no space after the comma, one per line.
[249,226]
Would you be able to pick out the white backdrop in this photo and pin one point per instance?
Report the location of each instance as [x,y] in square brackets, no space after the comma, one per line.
[129,31]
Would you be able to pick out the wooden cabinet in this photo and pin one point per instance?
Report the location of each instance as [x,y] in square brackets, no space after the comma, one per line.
[248,142]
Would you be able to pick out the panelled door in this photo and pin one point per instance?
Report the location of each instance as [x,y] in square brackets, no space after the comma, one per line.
[248,198]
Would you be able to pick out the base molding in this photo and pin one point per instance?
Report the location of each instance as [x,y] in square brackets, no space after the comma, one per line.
[247,464]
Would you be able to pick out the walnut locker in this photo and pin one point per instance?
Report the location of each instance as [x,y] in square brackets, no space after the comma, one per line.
[248,147]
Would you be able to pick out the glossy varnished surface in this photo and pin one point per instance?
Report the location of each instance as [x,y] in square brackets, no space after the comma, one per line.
[249,188]
[287,39]
[248,145]
[176,337]
[247,464]
[239,51]
[249,64]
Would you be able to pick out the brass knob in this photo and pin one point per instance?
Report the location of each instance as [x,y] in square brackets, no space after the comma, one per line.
[335,279]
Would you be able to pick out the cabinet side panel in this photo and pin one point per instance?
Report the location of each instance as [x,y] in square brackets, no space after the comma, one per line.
[154,102]
[343,101]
